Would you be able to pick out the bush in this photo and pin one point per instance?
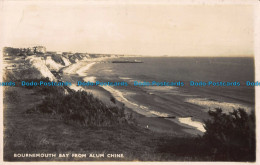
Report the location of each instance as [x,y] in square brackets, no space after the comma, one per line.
[228,137]
[231,136]
[11,96]
[57,59]
[113,100]
[8,76]
[80,107]
[23,74]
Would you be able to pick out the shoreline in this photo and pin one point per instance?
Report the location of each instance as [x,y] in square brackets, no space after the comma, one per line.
[187,124]
[144,117]
[164,140]
[79,71]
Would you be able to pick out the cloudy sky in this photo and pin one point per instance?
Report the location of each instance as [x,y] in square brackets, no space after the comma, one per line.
[140,29]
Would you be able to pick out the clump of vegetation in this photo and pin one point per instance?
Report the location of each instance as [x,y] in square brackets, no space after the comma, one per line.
[113,100]
[8,76]
[57,59]
[11,96]
[228,137]
[23,74]
[73,58]
[231,136]
[80,107]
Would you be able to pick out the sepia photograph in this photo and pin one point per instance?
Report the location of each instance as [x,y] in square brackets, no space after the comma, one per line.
[129,81]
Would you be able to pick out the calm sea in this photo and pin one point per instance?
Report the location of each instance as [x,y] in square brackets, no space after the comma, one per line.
[181,102]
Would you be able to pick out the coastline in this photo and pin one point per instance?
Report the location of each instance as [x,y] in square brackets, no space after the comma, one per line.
[158,134]
[176,123]
[152,120]
[180,123]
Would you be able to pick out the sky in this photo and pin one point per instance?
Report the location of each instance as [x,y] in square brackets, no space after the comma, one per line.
[134,29]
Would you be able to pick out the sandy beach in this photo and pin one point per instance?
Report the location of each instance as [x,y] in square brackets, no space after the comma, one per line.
[152,120]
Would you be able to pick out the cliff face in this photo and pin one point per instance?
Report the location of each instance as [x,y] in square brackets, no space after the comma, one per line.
[66,61]
[52,65]
[36,63]
[43,65]
[39,65]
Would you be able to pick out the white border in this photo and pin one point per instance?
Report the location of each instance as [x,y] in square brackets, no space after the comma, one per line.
[256,3]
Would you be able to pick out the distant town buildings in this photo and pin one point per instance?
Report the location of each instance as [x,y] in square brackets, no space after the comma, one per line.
[39,49]
[36,50]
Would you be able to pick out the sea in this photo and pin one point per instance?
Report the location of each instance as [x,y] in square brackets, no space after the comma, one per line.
[187,105]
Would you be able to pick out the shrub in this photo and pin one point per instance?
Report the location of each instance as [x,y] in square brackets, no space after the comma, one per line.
[228,137]
[231,136]
[113,100]
[8,76]
[57,59]
[80,107]
[23,74]
[11,96]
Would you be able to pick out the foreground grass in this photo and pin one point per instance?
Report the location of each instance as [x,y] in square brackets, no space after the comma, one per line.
[47,133]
